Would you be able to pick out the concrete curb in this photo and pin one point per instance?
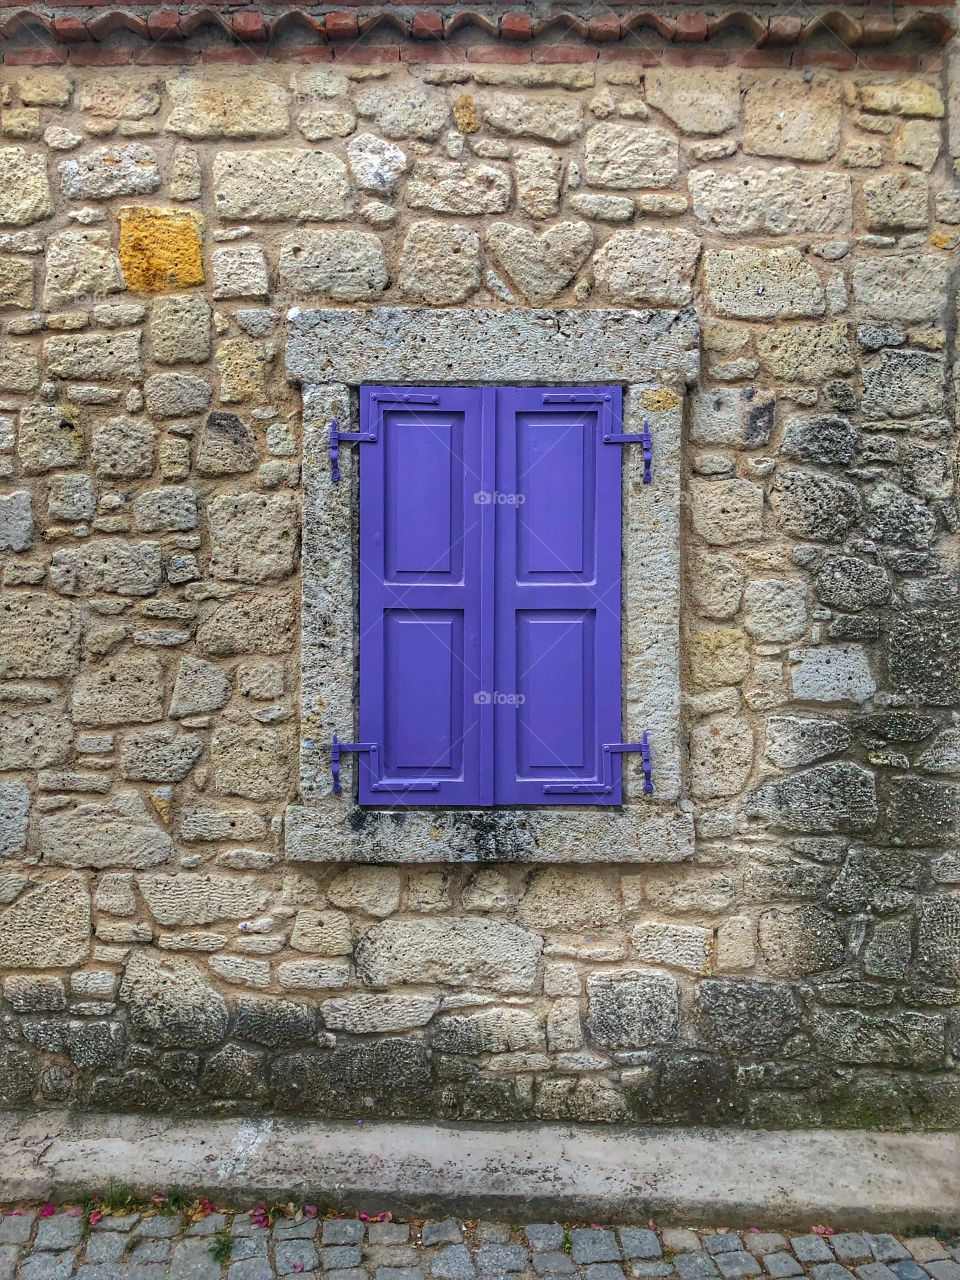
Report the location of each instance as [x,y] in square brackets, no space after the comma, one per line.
[524,1173]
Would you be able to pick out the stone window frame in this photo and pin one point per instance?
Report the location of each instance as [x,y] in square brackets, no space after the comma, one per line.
[331,352]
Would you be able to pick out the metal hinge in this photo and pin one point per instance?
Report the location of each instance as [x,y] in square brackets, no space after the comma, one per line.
[644,438]
[373,748]
[604,788]
[338,437]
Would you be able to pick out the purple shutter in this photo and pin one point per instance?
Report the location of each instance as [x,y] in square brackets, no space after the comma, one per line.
[425,547]
[557,597]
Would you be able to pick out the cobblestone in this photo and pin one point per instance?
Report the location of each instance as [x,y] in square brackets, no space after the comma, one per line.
[237,1246]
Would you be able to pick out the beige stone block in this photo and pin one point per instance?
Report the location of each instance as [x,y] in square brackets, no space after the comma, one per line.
[122,690]
[718,656]
[806,353]
[39,636]
[252,762]
[188,899]
[48,927]
[896,202]
[19,367]
[762,284]
[24,187]
[918,144]
[50,437]
[552,119]
[245,106]
[573,901]
[439,263]
[650,267]
[735,946]
[908,288]
[677,946]
[696,100]
[45,88]
[626,156]
[537,175]
[448,187]
[324,933]
[727,511]
[415,112]
[372,891]
[541,266]
[790,117]
[253,536]
[716,585]
[120,97]
[115,833]
[783,201]
[903,98]
[346,266]
[275,186]
[82,266]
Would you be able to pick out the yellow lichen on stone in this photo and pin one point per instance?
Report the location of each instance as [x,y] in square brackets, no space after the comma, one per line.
[658,399]
[160,249]
[465,114]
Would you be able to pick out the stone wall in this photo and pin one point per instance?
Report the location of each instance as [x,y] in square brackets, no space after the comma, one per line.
[157,947]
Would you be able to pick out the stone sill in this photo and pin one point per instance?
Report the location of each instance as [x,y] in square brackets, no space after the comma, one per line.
[634,834]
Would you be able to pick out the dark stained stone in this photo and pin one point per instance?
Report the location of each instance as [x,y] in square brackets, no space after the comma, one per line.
[844,582]
[839,796]
[811,505]
[746,1017]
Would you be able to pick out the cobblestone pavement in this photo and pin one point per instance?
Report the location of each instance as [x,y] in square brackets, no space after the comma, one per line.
[75,1244]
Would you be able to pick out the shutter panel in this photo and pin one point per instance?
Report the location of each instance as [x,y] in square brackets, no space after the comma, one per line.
[557,539]
[425,543]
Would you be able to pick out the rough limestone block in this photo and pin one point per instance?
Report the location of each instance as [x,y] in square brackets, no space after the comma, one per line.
[806,353]
[19,368]
[115,833]
[272,186]
[16,520]
[188,899]
[81,268]
[170,1004]
[39,636]
[832,673]
[629,1009]
[721,756]
[727,511]
[466,951]
[105,172]
[439,263]
[48,927]
[541,266]
[240,271]
[254,536]
[537,175]
[907,288]
[552,119]
[447,187]
[790,117]
[123,447]
[779,202]
[180,330]
[762,284]
[365,1014]
[123,690]
[652,268]
[418,112]
[16,282]
[626,156]
[173,395]
[160,249]
[375,164]
[697,101]
[678,946]
[738,417]
[249,106]
[253,762]
[93,356]
[347,266]
[14,813]
[107,564]
[49,437]
[25,195]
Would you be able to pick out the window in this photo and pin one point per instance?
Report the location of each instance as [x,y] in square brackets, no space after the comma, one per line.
[489,595]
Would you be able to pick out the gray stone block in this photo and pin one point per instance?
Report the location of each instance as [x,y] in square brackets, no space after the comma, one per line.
[453,1263]
[738,1262]
[544,1235]
[62,1231]
[637,1242]
[722,1242]
[553,1262]
[340,1257]
[301,1255]
[591,1245]
[811,1248]
[445,1232]
[342,1231]
[494,1259]
[782,1265]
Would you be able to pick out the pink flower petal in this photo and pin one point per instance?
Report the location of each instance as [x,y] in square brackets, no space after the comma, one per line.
[46,1211]
[309,1210]
[95,1217]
